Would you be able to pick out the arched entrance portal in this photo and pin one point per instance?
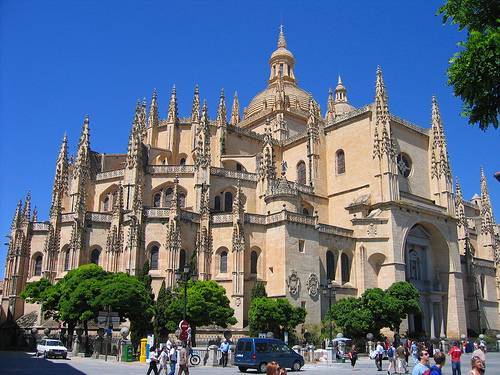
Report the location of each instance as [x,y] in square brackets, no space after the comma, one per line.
[427,268]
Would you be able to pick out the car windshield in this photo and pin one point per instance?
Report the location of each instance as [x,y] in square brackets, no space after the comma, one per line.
[54,343]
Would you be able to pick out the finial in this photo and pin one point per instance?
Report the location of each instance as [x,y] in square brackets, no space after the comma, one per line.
[340,80]
[235,111]
[281,39]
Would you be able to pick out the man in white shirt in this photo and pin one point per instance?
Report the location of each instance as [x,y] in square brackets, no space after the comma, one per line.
[379,350]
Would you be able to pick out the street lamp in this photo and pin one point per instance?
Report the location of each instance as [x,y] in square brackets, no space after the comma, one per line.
[185,274]
[329,292]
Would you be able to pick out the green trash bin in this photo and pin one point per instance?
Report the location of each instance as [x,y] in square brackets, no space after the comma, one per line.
[127,355]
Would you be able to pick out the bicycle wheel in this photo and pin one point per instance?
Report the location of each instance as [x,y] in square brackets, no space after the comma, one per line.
[195,360]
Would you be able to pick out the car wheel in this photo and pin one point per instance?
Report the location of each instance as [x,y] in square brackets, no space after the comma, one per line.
[262,367]
[64,356]
[296,366]
[242,369]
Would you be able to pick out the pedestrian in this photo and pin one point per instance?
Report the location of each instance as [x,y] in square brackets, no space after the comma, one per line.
[455,353]
[353,355]
[401,364]
[439,359]
[172,356]
[391,356]
[477,366]
[422,366]
[379,355]
[152,361]
[272,368]
[414,352]
[407,354]
[480,353]
[183,360]
[224,349]
[281,371]
[163,361]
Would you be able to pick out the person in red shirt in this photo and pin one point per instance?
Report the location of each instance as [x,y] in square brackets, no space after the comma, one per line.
[455,354]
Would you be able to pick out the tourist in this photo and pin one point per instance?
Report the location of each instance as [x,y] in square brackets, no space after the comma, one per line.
[391,356]
[163,360]
[422,366]
[455,353]
[172,356]
[414,352]
[401,364]
[477,366]
[439,359]
[183,360]
[480,353]
[353,355]
[272,368]
[152,361]
[224,349]
[379,355]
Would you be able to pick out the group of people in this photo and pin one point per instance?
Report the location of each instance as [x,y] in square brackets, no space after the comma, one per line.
[160,359]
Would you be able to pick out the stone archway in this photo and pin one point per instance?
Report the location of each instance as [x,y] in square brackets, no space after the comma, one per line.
[427,267]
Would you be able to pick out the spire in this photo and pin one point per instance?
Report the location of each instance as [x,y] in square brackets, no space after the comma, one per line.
[221,110]
[459,207]
[60,186]
[267,167]
[440,166]
[238,206]
[143,120]
[27,208]
[134,142]
[202,151]
[382,137]
[330,108]
[172,107]
[281,38]
[17,215]
[340,92]
[153,120]
[118,202]
[83,153]
[487,219]
[235,111]
[312,127]
[195,112]
[35,215]
[280,96]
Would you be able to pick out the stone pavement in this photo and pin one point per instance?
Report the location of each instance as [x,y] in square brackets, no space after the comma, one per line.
[25,363]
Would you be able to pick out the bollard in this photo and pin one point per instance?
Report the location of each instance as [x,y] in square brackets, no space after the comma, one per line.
[212,356]
[142,358]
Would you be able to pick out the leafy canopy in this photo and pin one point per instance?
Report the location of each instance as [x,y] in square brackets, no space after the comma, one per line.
[474,71]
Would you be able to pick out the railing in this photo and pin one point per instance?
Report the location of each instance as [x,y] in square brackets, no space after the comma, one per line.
[222,218]
[304,188]
[239,175]
[330,229]
[154,213]
[67,218]
[110,174]
[99,217]
[170,169]
[255,219]
[301,219]
[41,226]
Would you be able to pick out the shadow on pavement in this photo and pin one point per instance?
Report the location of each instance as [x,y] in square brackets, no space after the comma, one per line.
[26,363]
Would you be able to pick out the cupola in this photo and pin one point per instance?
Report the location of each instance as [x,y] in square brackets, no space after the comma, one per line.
[282,61]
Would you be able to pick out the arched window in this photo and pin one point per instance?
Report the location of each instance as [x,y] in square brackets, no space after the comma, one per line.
[223,262]
[94,256]
[37,267]
[182,161]
[254,257]
[301,172]
[305,211]
[182,200]
[346,272]
[217,204]
[153,261]
[157,200]
[340,160]
[330,265]
[168,196]
[415,272]
[482,284]
[228,202]
[67,260]
[182,258]
[105,204]
[239,167]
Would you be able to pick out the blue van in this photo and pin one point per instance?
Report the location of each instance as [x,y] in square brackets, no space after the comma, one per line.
[256,353]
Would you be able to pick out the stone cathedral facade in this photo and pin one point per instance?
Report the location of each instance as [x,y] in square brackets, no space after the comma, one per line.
[285,193]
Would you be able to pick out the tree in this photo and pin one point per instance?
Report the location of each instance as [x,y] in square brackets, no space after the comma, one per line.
[259,290]
[160,317]
[405,299]
[350,315]
[474,72]
[274,315]
[141,328]
[33,292]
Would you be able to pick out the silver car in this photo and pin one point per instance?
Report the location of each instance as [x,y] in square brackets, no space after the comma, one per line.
[51,348]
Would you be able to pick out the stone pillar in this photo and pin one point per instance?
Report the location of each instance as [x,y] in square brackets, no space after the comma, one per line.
[432,330]
[441,313]
[212,356]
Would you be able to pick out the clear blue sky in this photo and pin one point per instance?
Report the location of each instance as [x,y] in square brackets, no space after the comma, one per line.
[62,59]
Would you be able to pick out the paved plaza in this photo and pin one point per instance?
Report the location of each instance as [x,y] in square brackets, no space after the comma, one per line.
[25,363]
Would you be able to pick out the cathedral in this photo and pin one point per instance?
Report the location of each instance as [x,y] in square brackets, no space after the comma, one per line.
[279,192]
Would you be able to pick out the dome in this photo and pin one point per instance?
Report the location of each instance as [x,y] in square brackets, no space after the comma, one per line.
[281,52]
[343,107]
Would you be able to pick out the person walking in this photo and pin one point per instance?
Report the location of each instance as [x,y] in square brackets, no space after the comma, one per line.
[455,353]
[422,366]
[172,356]
[163,361]
[153,359]
[439,359]
[391,356]
[477,366]
[414,352]
[272,368]
[224,349]
[379,355]
[401,364]
[183,360]
[353,355]
[480,353]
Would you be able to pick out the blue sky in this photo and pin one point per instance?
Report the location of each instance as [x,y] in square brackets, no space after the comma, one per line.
[62,59]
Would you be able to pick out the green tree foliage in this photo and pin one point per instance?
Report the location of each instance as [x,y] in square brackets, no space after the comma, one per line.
[274,315]
[34,292]
[160,321]
[259,290]
[474,71]
[376,309]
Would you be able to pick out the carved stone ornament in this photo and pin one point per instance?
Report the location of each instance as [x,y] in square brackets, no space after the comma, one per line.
[238,301]
[293,282]
[313,285]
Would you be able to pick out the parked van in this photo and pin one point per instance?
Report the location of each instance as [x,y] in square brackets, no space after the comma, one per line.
[256,353]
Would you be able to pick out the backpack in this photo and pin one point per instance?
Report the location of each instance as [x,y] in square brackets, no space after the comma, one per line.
[390,352]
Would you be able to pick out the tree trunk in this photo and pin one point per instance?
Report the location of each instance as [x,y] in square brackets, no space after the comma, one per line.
[193,336]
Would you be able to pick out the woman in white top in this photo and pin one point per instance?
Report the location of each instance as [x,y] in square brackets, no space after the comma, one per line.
[152,361]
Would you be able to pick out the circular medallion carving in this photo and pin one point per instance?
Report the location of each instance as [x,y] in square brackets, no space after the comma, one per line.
[293,282]
[313,285]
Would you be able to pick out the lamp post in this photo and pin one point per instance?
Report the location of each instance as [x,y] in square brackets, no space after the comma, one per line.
[184,274]
[330,292]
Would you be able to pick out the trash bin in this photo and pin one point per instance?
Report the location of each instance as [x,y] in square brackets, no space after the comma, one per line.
[127,353]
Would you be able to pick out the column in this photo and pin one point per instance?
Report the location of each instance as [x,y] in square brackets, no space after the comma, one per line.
[441,313]
[432,327]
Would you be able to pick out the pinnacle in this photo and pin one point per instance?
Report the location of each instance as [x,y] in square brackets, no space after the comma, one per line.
[281,38]
[339,81]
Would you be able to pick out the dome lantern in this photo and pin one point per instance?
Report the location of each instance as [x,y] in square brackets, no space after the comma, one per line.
[282,61]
